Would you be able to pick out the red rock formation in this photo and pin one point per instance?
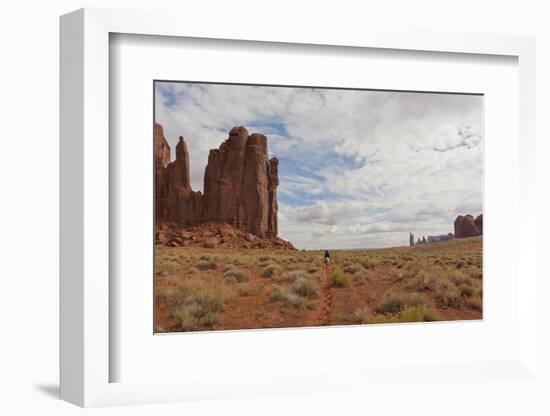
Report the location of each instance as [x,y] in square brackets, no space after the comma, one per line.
[240,184]
[240,190]
[465,226]
[273,183]
[479,223]
[174,198]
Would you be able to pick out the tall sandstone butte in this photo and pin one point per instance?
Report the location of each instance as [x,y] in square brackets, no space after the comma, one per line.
[240,185]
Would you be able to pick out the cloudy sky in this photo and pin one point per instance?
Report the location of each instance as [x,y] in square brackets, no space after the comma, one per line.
[358,169]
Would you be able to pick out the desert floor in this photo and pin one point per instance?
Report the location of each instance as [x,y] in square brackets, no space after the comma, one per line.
[205,289]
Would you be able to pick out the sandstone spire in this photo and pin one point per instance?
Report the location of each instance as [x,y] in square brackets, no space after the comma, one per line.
[240,185]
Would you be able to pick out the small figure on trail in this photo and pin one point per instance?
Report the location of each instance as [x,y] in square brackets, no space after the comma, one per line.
[326,260]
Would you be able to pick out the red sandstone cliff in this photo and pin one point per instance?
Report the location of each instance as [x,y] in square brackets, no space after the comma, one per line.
[240,190]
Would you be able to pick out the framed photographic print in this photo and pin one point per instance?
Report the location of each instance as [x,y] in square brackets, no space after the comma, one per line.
[227,197]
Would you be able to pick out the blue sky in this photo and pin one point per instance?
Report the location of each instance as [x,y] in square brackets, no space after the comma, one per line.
[358,169]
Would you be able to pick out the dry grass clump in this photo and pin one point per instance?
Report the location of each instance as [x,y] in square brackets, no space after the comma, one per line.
[475,303]
[338,278]
[272,270]
[306,288]
[360,278]
[424,281]
[460,279]
[466,290]
[238,275]
[448,297]
[287,297]
[206,264]
[246,289]
[395,302]
[362,315]
[166,266]
[419,314]
[291,276]
[353,268]
[203,300]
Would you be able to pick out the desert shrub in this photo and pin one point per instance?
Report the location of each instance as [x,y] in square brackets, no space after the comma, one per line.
[419,314]
[229,280]
[367,264]
[449,297]
[395,302]
[202,303]
[239,261]
[362,315]
[272,270]
[460,264]
[205,257]
[353,268]
[360,278]
[265,258]
[165,267]
[291,276]
[475,303]
[246,289]
[286,296]
[465,290]
[424,281]
[460,279]
[313,269]
[168,295]
[206,265]
[227,267]
[305,287]
[339,279]
[239,275]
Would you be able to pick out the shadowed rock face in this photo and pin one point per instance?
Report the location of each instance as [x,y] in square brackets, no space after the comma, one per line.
[240,185]
[466,226]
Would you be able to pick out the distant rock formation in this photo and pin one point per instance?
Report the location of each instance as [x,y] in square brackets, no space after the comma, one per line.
[240,187]
[479,223]
[466,226]
[442,237]
[411,239]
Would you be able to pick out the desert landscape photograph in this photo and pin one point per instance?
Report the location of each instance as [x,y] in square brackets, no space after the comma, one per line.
[281,207]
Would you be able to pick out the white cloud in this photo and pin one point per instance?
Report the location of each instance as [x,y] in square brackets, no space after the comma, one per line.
[358,168]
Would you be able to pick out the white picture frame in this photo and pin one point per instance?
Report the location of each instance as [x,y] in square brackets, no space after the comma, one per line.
[85,164]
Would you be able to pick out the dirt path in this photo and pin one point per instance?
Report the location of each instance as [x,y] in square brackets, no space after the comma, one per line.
[326,298]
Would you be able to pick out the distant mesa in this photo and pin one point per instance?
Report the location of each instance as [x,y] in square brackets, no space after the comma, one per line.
[239,205]
[467,226]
